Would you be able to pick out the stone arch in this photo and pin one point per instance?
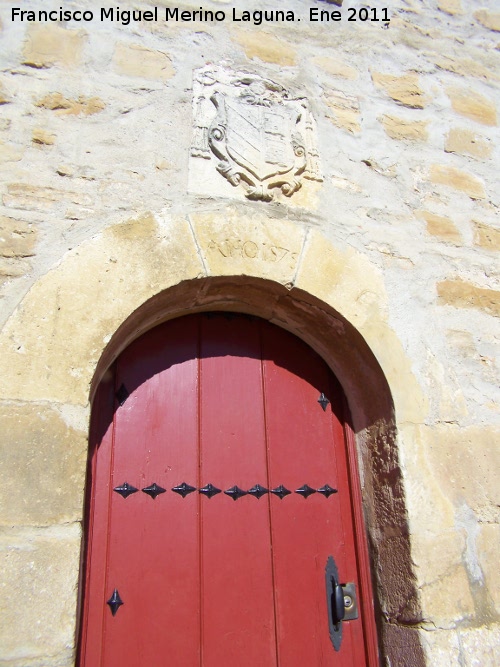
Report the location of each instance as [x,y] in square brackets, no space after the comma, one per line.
[78,317]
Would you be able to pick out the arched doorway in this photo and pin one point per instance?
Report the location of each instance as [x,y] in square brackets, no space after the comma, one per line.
[222,488]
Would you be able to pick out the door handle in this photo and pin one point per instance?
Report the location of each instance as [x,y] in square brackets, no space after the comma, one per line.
[337,602]
[341,602]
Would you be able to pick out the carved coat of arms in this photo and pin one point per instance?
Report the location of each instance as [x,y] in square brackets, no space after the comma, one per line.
[262,138]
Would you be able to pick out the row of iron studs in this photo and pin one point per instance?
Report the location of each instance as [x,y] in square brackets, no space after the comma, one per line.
[234,492]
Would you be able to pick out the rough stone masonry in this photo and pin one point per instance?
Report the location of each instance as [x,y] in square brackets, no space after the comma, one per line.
[104,207]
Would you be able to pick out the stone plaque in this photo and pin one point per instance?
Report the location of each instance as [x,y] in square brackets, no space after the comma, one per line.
[259,137]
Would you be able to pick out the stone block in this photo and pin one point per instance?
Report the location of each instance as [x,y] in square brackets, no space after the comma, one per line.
[65,658]
[42,137]
[480,647]
[266,47]
[466,67]
[488,550]
[5,97]
[400,128]
[13,267]
[402,645]
[465,463]
[437,552]
[43,466]
[486,236]
[441,647]
[138,61]
[428,521]
[49,337]
[458,180]
[403,89]
[336,67]
[441,227]
[39,198]
[448,600]
[467,142]
[253,245]
[48,45]
[469,103]
[461,294]
[17,238]
[345,111]
[490,20]
[10,152]
[64,106]
[348,282]
[38,593]
[452,7]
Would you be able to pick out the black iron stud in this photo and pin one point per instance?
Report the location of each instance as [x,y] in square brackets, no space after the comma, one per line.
[122,394]
[183,489]
[258,491]
[327,490]
[153,490]
[125,489]
[115,602]
[305,491]
[235,492]
[281,491]
[323,401]
[210,490]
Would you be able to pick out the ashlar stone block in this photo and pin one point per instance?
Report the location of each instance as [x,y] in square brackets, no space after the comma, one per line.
[486,236]
[48,45]
[38,594]
[266,47]
[466,142]
[17,238]
[490,20]
[471,104]
[49,339]
[137,61]
[43,468]
[403,89]
[253,245]
[458,180]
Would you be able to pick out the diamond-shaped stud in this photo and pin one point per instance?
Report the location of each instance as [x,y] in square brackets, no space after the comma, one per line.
[305,491]
[122,394]
[258,491]
[235,492]
[281,491]
[125,489]
[210,490]
[323,401]
[327,490]
[115,602]
[153,490]
[184,489]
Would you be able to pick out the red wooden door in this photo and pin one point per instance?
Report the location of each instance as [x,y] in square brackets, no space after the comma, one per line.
[219,553]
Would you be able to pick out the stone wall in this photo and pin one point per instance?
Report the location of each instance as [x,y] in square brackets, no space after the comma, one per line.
[104,209]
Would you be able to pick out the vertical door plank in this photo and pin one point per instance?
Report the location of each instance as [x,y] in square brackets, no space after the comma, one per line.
[153,543]
[237,587]
[97,523]
[303,449]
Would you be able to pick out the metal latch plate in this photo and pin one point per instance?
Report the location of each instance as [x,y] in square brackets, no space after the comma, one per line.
[350,602]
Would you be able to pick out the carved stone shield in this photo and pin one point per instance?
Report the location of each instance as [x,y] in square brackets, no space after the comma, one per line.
[259,139]
[263,138]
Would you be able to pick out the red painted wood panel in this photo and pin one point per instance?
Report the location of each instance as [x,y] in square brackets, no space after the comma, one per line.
[306,446]
[237,587]
[212,581]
